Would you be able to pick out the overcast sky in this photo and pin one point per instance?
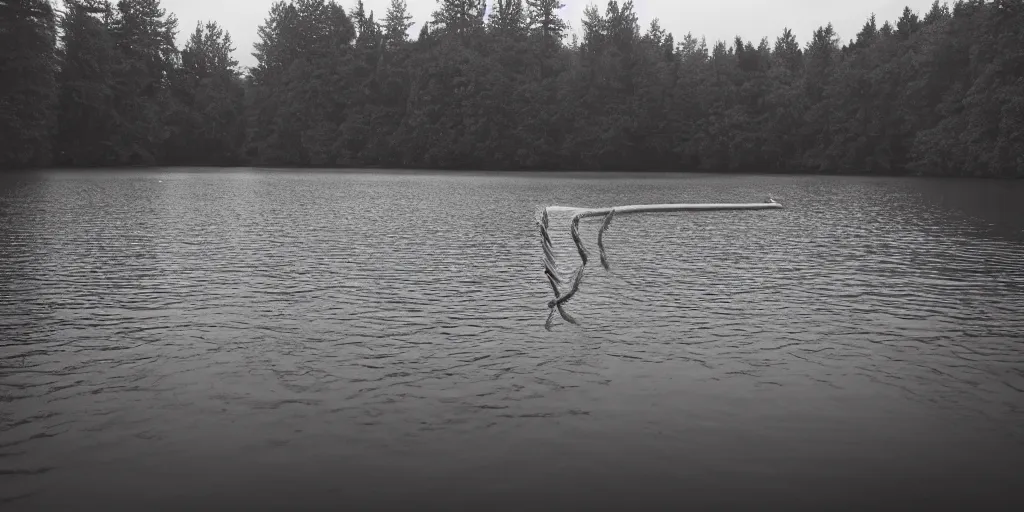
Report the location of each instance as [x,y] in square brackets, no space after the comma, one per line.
[714,19]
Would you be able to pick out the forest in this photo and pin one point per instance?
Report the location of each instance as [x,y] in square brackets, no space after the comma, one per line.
[91,83]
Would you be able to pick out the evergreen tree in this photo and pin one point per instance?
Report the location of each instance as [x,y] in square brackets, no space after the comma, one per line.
[508,19]
[143,36]
[938,13]
[368,32]
[27,82]
[543,21]
[460,17]
[206,120]
[907,24]
[298,101]
[397,23]
[940,94]
[87,124]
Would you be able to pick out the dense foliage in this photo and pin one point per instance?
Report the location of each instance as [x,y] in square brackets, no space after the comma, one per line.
[504,87]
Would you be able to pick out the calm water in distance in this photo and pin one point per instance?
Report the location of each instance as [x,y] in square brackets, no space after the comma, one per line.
[174,339]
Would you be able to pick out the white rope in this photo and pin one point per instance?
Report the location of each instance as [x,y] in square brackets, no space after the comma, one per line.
[551,268]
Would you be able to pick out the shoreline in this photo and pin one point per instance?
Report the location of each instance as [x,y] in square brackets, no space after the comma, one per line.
[575,173]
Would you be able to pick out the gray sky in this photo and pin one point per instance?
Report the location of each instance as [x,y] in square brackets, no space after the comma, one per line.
[716,20]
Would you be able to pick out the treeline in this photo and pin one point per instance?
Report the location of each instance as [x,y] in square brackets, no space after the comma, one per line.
[100,84]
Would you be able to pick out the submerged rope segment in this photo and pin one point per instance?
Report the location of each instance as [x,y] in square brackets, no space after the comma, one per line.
[551,267]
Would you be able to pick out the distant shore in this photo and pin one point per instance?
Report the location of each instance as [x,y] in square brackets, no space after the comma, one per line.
[933,93]
[580,173]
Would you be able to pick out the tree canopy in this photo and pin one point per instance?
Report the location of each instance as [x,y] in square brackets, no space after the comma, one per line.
[506,86]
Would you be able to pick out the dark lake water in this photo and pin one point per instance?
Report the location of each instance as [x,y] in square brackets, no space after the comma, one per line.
[183,339]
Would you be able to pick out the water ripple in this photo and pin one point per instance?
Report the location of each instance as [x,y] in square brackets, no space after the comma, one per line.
[347,315]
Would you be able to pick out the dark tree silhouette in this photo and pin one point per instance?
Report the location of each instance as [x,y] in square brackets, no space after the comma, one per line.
[933,94]
[28,88]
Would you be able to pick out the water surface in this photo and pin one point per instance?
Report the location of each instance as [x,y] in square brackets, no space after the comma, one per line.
[174,339]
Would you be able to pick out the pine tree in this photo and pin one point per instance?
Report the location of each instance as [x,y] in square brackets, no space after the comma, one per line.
[143,36]
[368,32]
[545,22]
[205,118]
[936,95]
[937,13]
[508,18]
[27,82]
[303,82]
[907,24]
[460,17]
[397,23]
[87,127]
[867,35]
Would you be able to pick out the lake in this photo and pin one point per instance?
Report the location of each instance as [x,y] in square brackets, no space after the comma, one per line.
[264,339]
